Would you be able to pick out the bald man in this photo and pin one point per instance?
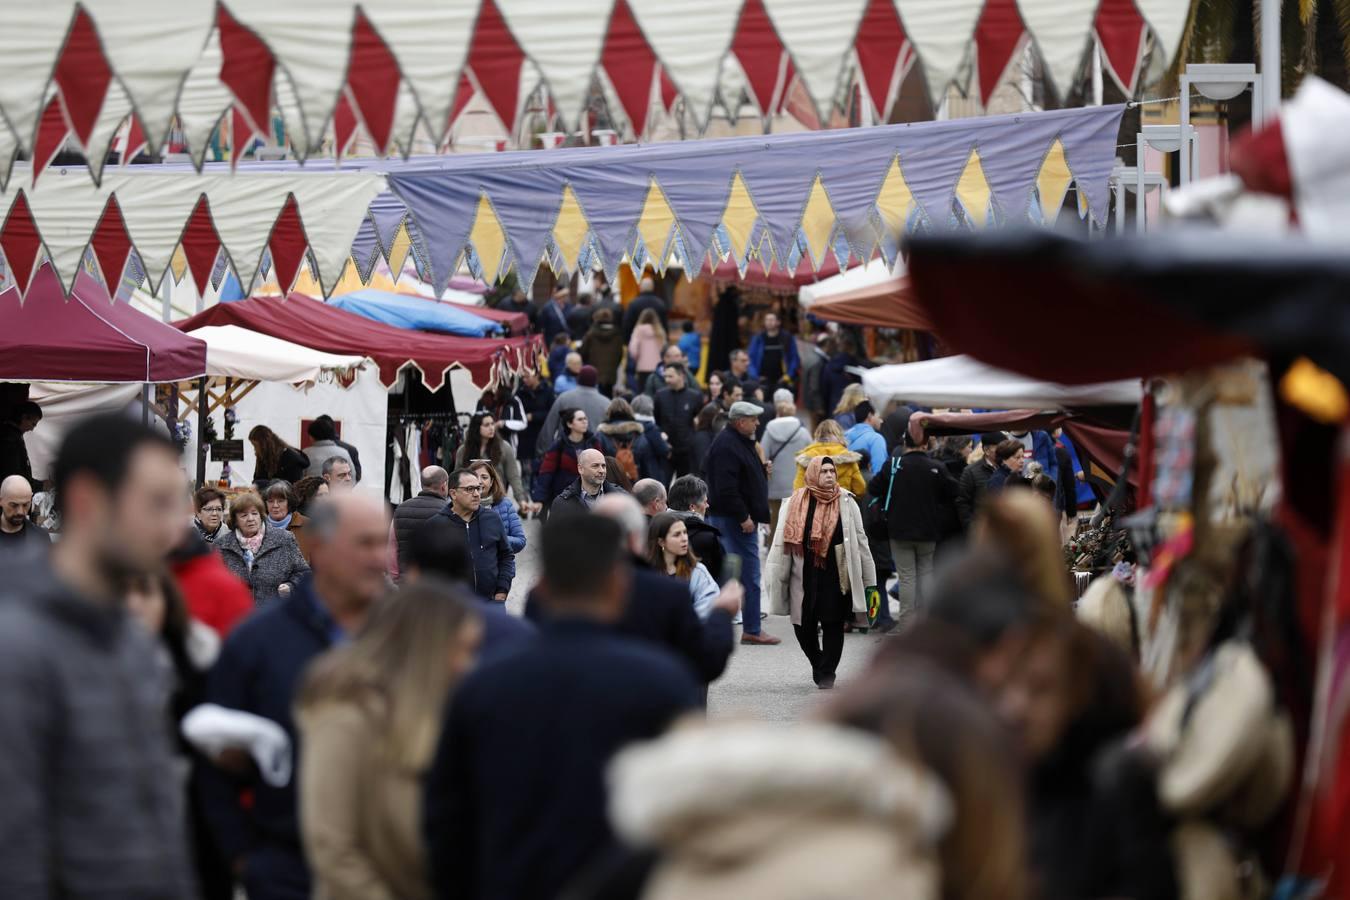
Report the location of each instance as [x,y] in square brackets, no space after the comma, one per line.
[413,513]
[258,671]
[17,531]
[590,485]
[651,495]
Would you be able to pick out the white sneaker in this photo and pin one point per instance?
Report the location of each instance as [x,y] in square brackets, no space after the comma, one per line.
[737,620]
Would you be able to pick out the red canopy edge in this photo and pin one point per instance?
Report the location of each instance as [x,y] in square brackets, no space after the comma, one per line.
[47,337]
[322,327]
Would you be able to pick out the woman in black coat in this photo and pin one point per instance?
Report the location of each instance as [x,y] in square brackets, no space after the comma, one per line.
[274,458]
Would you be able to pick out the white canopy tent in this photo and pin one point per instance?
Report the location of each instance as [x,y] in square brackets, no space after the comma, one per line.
[294,384]
[964,382]
[875,272]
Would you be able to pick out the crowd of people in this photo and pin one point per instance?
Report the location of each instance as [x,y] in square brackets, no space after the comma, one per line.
[291,690]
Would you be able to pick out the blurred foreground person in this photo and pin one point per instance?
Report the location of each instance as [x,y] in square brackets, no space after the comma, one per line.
[836,814]
[437,551]
[515,803]
[215,596]
[1069,699]
[19,533]
[819,568]
[369,714]
[258,670]
[91,807]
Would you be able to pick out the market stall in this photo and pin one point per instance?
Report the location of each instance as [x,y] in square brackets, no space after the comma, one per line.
[473,361]
[87,338]
[885,304]
[263,380]
[404,311]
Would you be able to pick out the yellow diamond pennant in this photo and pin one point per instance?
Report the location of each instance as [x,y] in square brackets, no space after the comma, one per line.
[488,239]
[1053,181]
[739,217]
[655,223]
[818,221]
[398,251]
[894,200]
[178,264]
[569,228]
[973,191]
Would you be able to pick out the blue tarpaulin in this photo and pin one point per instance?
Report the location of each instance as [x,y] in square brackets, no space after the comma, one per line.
[418,313]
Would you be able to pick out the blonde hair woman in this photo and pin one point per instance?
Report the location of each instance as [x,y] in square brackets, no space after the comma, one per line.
[848,401]
[829,441]
[369,715]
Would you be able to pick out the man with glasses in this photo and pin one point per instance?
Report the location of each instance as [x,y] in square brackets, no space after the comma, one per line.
[493,563]
[210,518]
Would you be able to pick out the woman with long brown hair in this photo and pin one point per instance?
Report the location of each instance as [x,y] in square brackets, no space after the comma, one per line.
[483,440]
[369,715]
[669,552]
[274,458]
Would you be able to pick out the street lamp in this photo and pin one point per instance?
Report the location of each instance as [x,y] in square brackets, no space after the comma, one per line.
[1166,139]
[1138,182]
[1219,82]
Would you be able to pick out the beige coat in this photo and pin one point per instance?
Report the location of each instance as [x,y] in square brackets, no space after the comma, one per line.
[753,810]
[359,814]
[862,570]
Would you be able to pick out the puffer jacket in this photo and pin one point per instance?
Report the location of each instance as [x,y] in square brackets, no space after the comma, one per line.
[845,465]
[722,831]
[277,562]
[630,433]
[515,531]
[660,450]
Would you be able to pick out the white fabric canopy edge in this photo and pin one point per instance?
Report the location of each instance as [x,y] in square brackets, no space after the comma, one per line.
[963,382]
[235,352]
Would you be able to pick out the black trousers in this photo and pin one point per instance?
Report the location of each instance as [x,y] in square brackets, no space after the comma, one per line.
[822,642]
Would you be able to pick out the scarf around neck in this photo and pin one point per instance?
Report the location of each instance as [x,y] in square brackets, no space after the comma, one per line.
[251,545]
[822,525]
[281,523]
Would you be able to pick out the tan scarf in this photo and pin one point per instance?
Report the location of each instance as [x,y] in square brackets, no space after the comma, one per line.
[825,520]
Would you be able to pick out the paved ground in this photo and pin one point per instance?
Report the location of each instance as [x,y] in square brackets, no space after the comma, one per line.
[772,683]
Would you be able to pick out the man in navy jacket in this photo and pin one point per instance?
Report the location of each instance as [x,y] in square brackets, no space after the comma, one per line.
[773,353]
[515,800]
[494,565]
[258,672]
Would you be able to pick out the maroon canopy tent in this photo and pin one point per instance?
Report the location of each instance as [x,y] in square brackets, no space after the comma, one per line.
[87,337]
[322,327]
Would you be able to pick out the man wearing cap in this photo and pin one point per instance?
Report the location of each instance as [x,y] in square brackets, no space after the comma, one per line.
[976,477]
[738,502]
[585,396]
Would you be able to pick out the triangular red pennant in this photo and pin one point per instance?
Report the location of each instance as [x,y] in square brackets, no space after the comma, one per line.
[20,241]
[463,94]
[200,243]
[760,53]
[82,76]
[246,68]
[997,35]
[630,63]
[668,90]
[52,131]
[136,140]
[241,134]
[344,125]
[1121,31]
[495,59]
[288,244]
[111,244]
[881,38]
[373,77]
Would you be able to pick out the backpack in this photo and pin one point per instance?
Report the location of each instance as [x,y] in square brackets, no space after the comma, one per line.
[623,454]
[876,518]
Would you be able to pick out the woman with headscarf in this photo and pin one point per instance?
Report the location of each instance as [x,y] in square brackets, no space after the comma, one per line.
[819,569]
